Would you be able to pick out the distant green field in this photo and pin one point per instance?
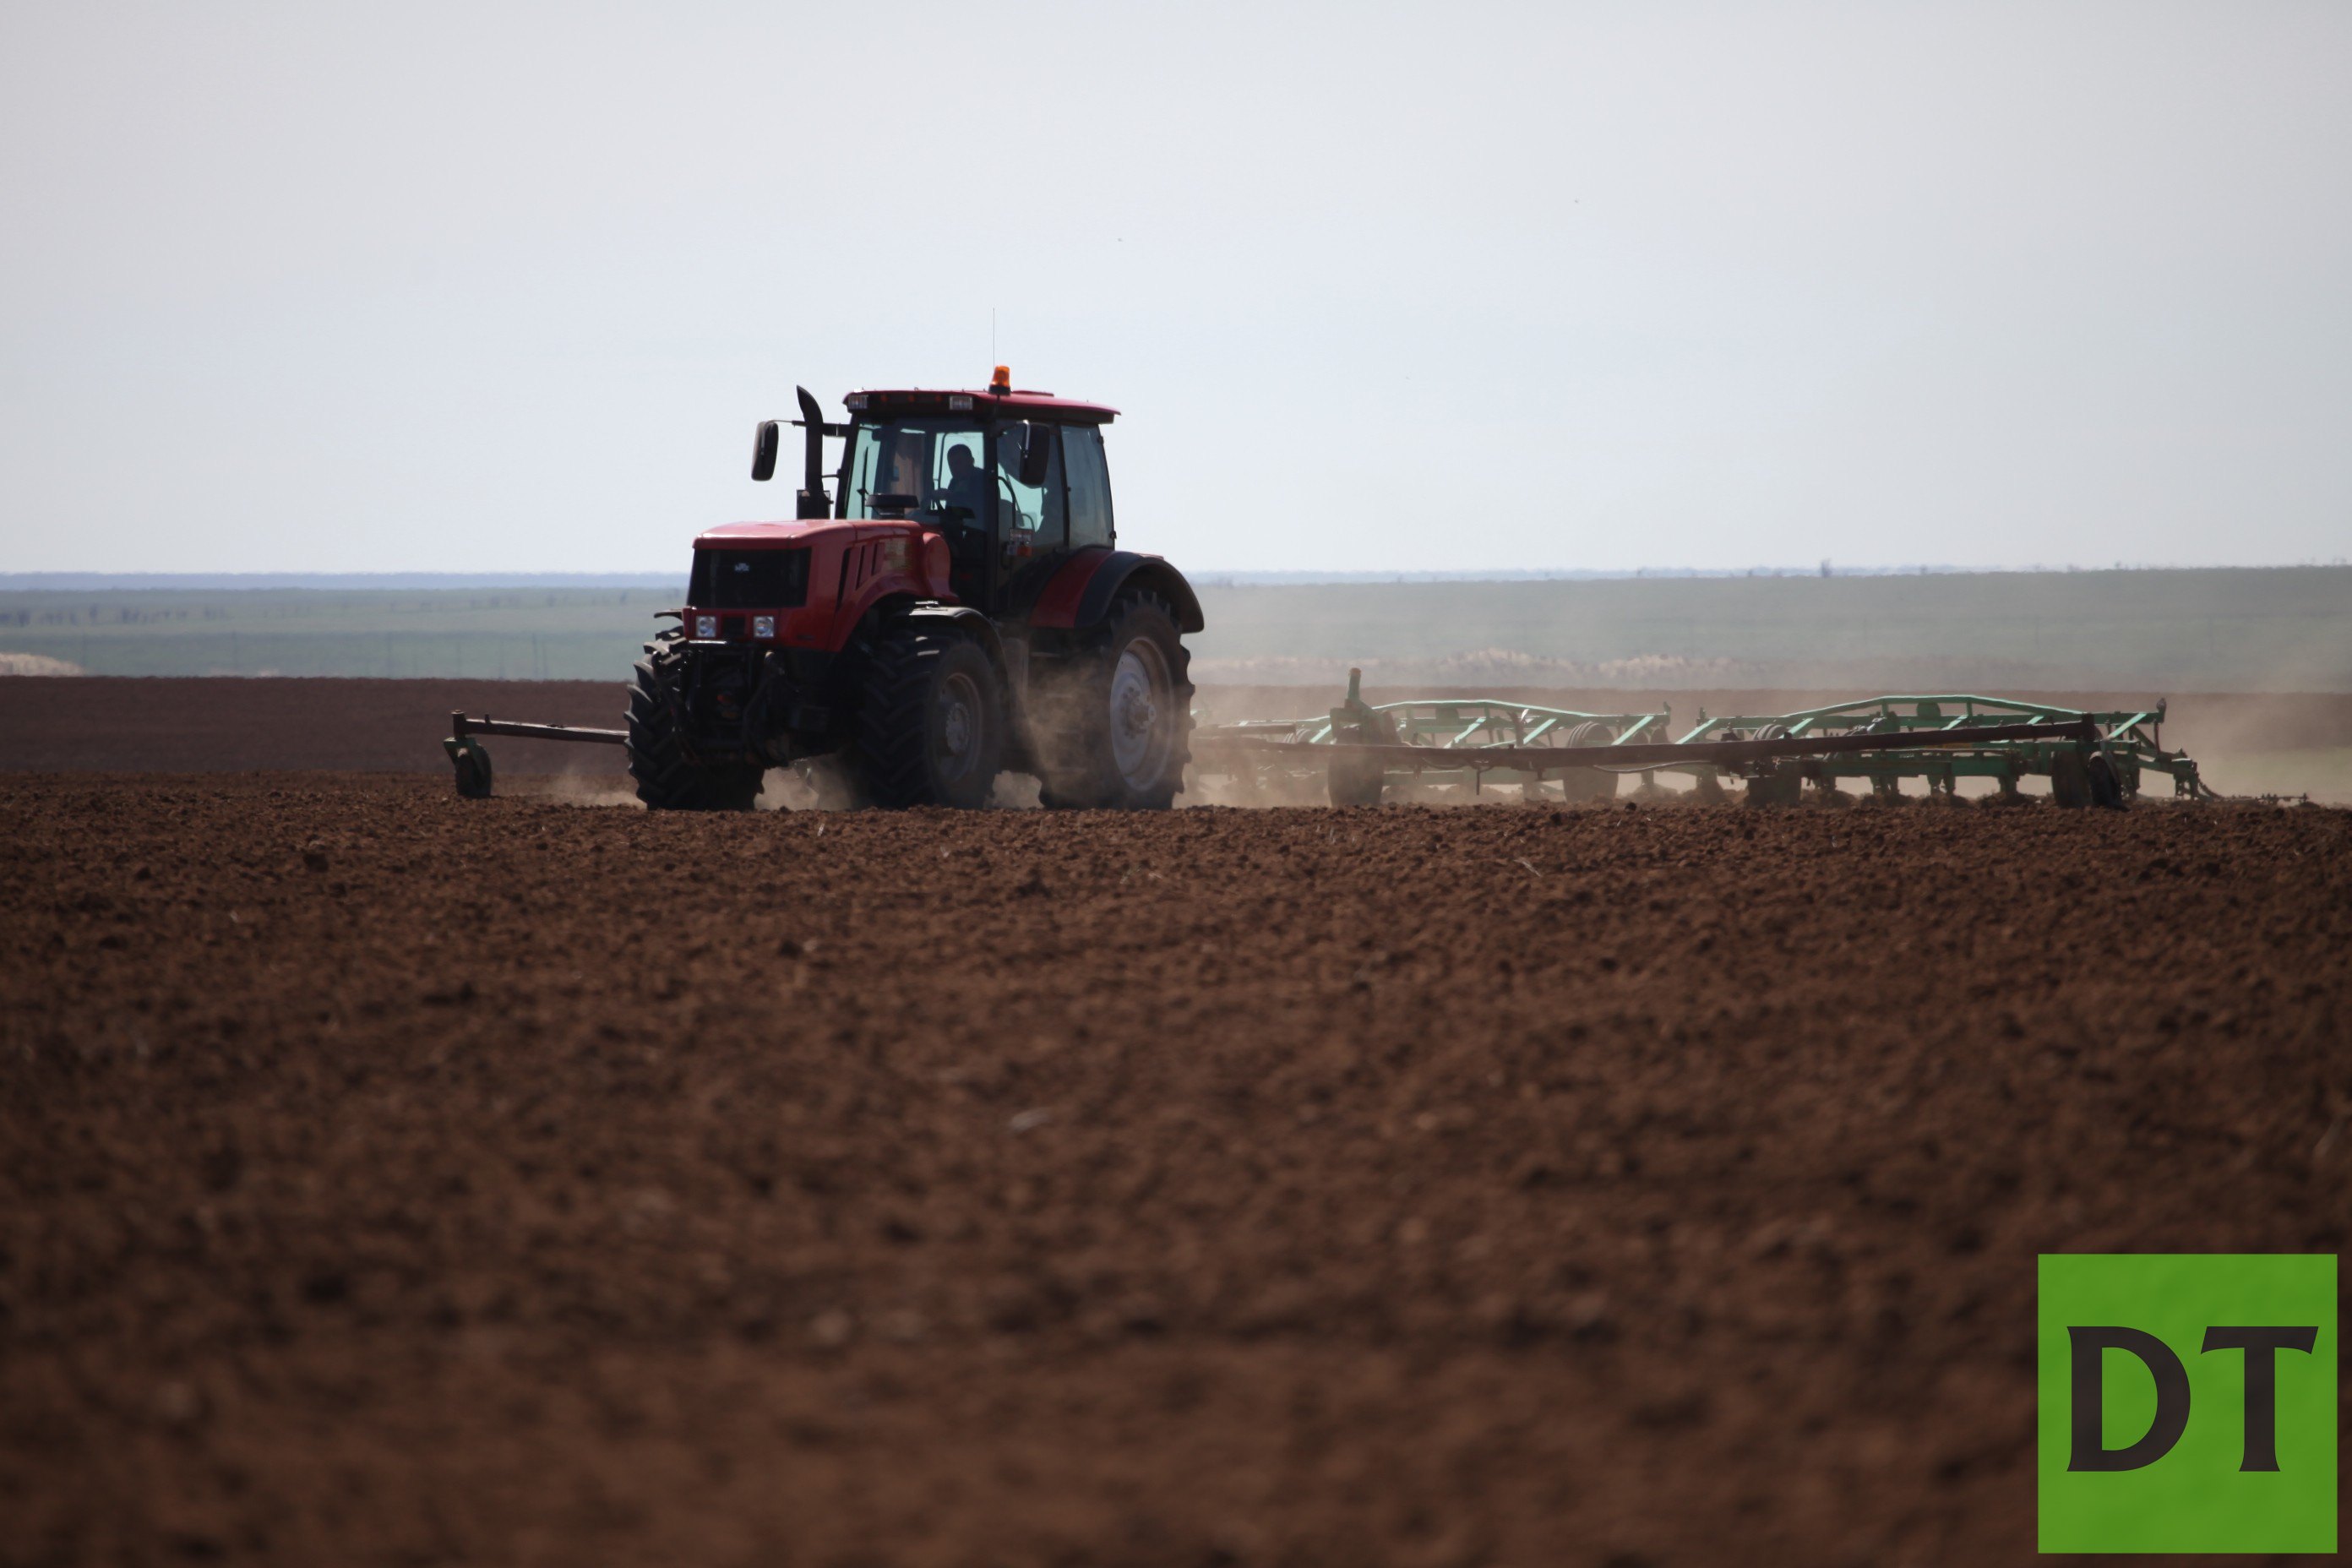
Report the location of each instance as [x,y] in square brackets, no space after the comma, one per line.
[565,634]
[2246,630]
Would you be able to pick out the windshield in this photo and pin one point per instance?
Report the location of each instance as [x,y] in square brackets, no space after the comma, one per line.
[940,464]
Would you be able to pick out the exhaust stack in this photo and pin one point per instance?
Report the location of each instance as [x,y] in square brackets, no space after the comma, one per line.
[814,501]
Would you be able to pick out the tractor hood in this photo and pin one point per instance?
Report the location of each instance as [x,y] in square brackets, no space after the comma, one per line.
[804,583]
[784,535]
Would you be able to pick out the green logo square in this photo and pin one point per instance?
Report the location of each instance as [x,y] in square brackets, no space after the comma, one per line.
[2206,1394]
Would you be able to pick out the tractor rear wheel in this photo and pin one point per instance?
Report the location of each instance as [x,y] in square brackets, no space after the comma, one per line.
[1116,728]
[930,724]
[667,780]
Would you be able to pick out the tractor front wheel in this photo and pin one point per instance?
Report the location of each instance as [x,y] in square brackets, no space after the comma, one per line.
[666,779]
[931,724]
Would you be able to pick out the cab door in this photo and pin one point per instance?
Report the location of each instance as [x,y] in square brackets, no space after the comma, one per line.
[1033,510]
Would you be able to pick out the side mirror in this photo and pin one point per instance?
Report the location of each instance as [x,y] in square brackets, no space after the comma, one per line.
[764,442]
[1036,454]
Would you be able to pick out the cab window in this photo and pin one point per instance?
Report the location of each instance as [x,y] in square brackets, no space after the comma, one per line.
[1036,514]
[940,463]
[1090,480]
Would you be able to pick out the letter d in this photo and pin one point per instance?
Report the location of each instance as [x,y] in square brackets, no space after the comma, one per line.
[2089,1399]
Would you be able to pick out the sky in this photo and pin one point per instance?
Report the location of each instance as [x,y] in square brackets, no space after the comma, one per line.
[472,287]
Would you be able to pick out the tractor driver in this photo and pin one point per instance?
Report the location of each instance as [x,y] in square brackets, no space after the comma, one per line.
[968,490]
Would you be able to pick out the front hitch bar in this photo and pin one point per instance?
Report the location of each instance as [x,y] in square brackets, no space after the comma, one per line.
[472,763]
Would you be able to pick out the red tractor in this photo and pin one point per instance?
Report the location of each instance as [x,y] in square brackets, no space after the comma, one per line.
[956,607]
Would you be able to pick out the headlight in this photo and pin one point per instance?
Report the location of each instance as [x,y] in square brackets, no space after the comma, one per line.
[763,625]
[706,626]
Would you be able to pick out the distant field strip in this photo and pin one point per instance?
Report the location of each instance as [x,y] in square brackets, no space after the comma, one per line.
[2283,629]
[2289,629]
[461,634]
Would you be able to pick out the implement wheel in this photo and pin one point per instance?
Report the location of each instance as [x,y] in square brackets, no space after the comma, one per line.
[473,767]
[1588,784]
[2069,780]
[2107,790]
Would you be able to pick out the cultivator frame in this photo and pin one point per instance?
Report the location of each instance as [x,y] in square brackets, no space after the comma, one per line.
[2090,758]
[2128,743]
[1454,741]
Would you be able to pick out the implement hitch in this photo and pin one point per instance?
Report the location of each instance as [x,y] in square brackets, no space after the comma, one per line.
[472,763]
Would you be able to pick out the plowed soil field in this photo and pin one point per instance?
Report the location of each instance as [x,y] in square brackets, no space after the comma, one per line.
[388,1179]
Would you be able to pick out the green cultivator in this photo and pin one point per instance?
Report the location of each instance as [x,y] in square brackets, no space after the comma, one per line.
[1364,752]
[2112,768]
[1460,746]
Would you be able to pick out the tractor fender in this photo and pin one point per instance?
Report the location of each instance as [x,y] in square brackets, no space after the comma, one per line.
[964,617]
[1080,594]
[1009,658]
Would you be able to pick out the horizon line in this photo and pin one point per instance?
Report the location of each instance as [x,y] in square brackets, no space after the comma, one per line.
[134,582]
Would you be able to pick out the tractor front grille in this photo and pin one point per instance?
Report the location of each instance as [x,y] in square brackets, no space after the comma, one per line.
[749,580]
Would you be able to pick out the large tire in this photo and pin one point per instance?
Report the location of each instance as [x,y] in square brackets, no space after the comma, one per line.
[666,780]
[930,721]
[1115,731]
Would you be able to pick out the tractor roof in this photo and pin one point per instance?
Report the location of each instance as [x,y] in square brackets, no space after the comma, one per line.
[1017,404]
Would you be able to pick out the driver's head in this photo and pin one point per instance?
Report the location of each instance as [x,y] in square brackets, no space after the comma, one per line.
[958,461]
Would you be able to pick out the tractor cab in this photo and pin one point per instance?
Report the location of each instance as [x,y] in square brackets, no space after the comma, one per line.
[1013,480]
